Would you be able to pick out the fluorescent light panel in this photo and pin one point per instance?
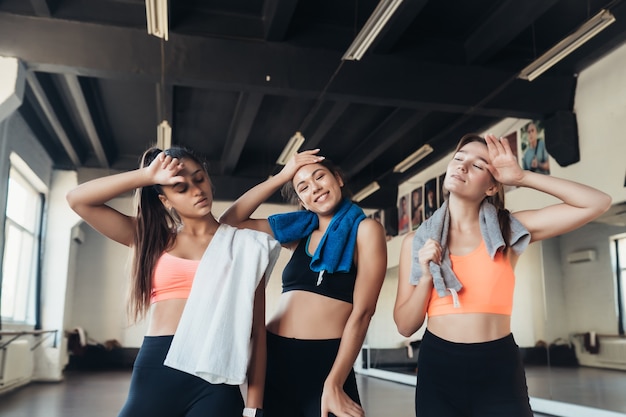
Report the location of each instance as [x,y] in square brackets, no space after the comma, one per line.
[371,29]
[291,148]
[366,192]
[157,18]
[588,30]
[413,159]
[164,135]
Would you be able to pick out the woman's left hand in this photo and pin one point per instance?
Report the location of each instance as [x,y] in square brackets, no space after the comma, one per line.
[336,401]
[504,166]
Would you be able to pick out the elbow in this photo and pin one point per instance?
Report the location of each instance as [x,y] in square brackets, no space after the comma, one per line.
[70,197]
[407,327]
[605,203]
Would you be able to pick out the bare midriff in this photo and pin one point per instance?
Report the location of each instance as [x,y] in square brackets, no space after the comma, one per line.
[164,316]
[470,327]
[306,315]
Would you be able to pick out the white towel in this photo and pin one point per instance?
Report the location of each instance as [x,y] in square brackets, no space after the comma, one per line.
[212,340]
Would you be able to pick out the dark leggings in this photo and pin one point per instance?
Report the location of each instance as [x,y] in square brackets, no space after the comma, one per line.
[159,391]
[470,379]
[296,371]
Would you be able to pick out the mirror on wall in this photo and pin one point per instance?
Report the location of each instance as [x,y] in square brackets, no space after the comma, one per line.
[569,318]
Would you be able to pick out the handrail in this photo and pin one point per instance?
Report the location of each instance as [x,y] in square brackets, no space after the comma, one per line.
[17,334]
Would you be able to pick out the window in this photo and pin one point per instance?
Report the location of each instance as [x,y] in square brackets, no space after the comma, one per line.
[618,249]
[21,249]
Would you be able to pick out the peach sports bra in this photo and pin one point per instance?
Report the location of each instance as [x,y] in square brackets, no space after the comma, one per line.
[172,277]
[487,285]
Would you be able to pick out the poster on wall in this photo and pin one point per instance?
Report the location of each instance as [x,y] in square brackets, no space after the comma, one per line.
[417,208]
[442,193]
[403,214]
[430,197]
[533,145]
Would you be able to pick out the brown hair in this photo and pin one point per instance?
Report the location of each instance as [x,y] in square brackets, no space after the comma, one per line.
[155,232]
[498,198]
[289,193]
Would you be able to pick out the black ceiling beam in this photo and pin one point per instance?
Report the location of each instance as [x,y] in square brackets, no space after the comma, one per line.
[94,50]
[394,128]
[246,111]
[321,120]
[42,7]
[404,16]
[277,15]
[496,31]
[75,97]
[52,117]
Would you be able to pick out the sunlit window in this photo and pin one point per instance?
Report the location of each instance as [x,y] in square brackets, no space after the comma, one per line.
[21,250]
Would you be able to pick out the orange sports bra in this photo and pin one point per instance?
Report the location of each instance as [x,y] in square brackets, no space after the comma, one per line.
[172,277]
[487,285]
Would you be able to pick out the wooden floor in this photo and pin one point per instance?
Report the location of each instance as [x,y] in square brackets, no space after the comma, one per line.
[102,393]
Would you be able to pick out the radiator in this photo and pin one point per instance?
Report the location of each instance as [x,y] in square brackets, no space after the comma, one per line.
[612,351]
[16,364]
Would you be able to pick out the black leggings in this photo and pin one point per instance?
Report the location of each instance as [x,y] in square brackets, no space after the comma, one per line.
[159,391]
[470,379]
[296,371]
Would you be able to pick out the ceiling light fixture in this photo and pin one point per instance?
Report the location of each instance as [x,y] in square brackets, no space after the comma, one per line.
[413,159]
[366,192]
[371,29]
[588,30]
[291,148]
[164,135]
[157,18]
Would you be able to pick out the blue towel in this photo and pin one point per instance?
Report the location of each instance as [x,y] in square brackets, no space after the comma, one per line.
[336,249]
[436,227]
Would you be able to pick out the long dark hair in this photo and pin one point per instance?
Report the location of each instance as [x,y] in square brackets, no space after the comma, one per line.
[291,196]
[155,232]
[498,198]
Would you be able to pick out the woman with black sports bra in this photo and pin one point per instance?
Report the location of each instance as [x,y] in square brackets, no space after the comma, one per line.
[330,288]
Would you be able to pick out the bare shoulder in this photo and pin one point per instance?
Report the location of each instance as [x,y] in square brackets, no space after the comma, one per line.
[369,228]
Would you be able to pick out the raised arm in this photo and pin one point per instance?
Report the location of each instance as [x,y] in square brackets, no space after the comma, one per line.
[580,203]
[371,269]
[89,199]
[409,311]
[238,214]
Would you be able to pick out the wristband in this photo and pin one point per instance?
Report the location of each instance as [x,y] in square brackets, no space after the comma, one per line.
[252,412]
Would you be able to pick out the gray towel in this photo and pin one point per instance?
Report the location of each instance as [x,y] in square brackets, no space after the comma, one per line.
[436,228]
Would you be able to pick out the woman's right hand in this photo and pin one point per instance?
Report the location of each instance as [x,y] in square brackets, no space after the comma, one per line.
[164,169]
[297,161]
[430,252]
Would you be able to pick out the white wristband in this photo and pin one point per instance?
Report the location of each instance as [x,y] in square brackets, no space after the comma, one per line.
[252,412]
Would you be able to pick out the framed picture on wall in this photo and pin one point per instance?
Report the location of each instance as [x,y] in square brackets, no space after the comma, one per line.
[417,208]
[430,198]
[442,194]
[403,214]
[534,154]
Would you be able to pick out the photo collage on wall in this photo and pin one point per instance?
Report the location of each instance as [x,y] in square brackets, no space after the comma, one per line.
[420,204]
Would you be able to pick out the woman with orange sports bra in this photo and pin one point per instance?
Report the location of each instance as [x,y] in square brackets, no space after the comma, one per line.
[457,268]
[170,236]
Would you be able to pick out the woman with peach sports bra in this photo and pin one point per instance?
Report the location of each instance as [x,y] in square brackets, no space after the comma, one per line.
[457,268]
[173,235]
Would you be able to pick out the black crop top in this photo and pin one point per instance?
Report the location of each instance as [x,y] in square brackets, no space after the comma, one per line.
[298,275]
